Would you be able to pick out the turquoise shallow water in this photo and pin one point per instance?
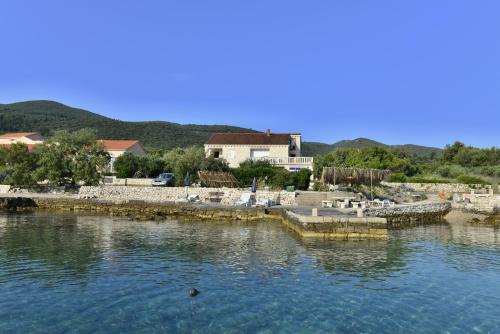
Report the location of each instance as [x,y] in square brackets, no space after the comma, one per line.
[76,274]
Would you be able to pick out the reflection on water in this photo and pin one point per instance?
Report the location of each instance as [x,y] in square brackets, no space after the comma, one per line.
[63,273]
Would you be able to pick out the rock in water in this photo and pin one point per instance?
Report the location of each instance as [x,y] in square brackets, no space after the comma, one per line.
[193,292]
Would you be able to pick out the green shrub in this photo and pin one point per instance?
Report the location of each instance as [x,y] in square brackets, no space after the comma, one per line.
[397,177]
[214,165]
[488,170]
[275,177]
[469,179]
[427,180]
[126,165]
[245,175]
[302,178]
[17,165]
[281,179]
[451,171]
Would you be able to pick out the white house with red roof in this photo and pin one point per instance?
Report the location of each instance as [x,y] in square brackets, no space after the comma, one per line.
[115,148]
[29,138]
[280,149]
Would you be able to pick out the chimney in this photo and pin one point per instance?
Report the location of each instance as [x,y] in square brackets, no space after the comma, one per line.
[268,132]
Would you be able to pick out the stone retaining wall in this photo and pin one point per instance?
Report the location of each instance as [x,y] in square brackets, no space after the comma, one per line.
[229,196]
[439,187]
[114,181]
[411,214]
[4,189]
[336,227]
[143,211]
[477,203]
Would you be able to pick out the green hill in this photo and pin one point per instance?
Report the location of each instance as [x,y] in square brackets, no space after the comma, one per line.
[48,116]
[314,148]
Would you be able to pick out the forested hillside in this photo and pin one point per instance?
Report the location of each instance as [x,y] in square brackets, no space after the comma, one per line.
[47,117]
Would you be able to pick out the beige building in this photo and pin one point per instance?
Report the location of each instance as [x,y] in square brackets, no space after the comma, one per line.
[115,148]
[29,138]
[281,149]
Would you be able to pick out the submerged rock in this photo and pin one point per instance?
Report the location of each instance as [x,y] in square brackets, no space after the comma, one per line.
[14,203]
[193,292]
[493,219]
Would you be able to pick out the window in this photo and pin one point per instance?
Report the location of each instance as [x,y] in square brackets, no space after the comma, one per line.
[257,154]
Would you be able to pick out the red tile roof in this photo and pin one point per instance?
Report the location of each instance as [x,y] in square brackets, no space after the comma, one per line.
[249,139]
[18,135]
[118,145]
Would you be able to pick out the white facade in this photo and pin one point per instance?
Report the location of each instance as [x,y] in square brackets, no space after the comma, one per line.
[116,148]
[236,154]
[282,152]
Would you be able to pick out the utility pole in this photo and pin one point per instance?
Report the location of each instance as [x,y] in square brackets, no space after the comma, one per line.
[371,183]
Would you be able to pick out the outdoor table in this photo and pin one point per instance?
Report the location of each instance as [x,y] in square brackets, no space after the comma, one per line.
[327,204]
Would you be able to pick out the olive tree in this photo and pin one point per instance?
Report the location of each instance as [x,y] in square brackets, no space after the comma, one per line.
[71,157]
[17,164]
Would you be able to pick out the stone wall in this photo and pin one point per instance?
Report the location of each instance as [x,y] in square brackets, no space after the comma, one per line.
[4,189]
[477,203]
[409,214]
[152,211]
[439,187]
[336,227]
[114,181]
[229,196]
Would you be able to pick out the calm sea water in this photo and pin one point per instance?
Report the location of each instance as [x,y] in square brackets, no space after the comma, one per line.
[80,274]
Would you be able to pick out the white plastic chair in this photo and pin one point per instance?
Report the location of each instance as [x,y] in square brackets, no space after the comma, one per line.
[245,199]
[386,203]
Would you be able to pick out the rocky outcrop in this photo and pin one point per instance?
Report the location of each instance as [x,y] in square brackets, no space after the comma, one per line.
[16,203]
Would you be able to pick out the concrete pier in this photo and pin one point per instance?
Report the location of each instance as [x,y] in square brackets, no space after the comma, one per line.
[338,227]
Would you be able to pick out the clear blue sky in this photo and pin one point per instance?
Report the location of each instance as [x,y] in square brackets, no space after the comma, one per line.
[412,71]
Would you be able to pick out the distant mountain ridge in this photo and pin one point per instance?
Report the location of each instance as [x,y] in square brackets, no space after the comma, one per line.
[49,116]
[322,148]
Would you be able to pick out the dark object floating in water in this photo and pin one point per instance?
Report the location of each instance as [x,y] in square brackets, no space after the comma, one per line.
[193,292]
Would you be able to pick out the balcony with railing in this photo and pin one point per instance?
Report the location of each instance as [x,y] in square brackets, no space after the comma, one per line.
[289,162]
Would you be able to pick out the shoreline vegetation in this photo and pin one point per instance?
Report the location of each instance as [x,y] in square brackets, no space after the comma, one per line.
[177,148]
[77,158]
[48,117]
